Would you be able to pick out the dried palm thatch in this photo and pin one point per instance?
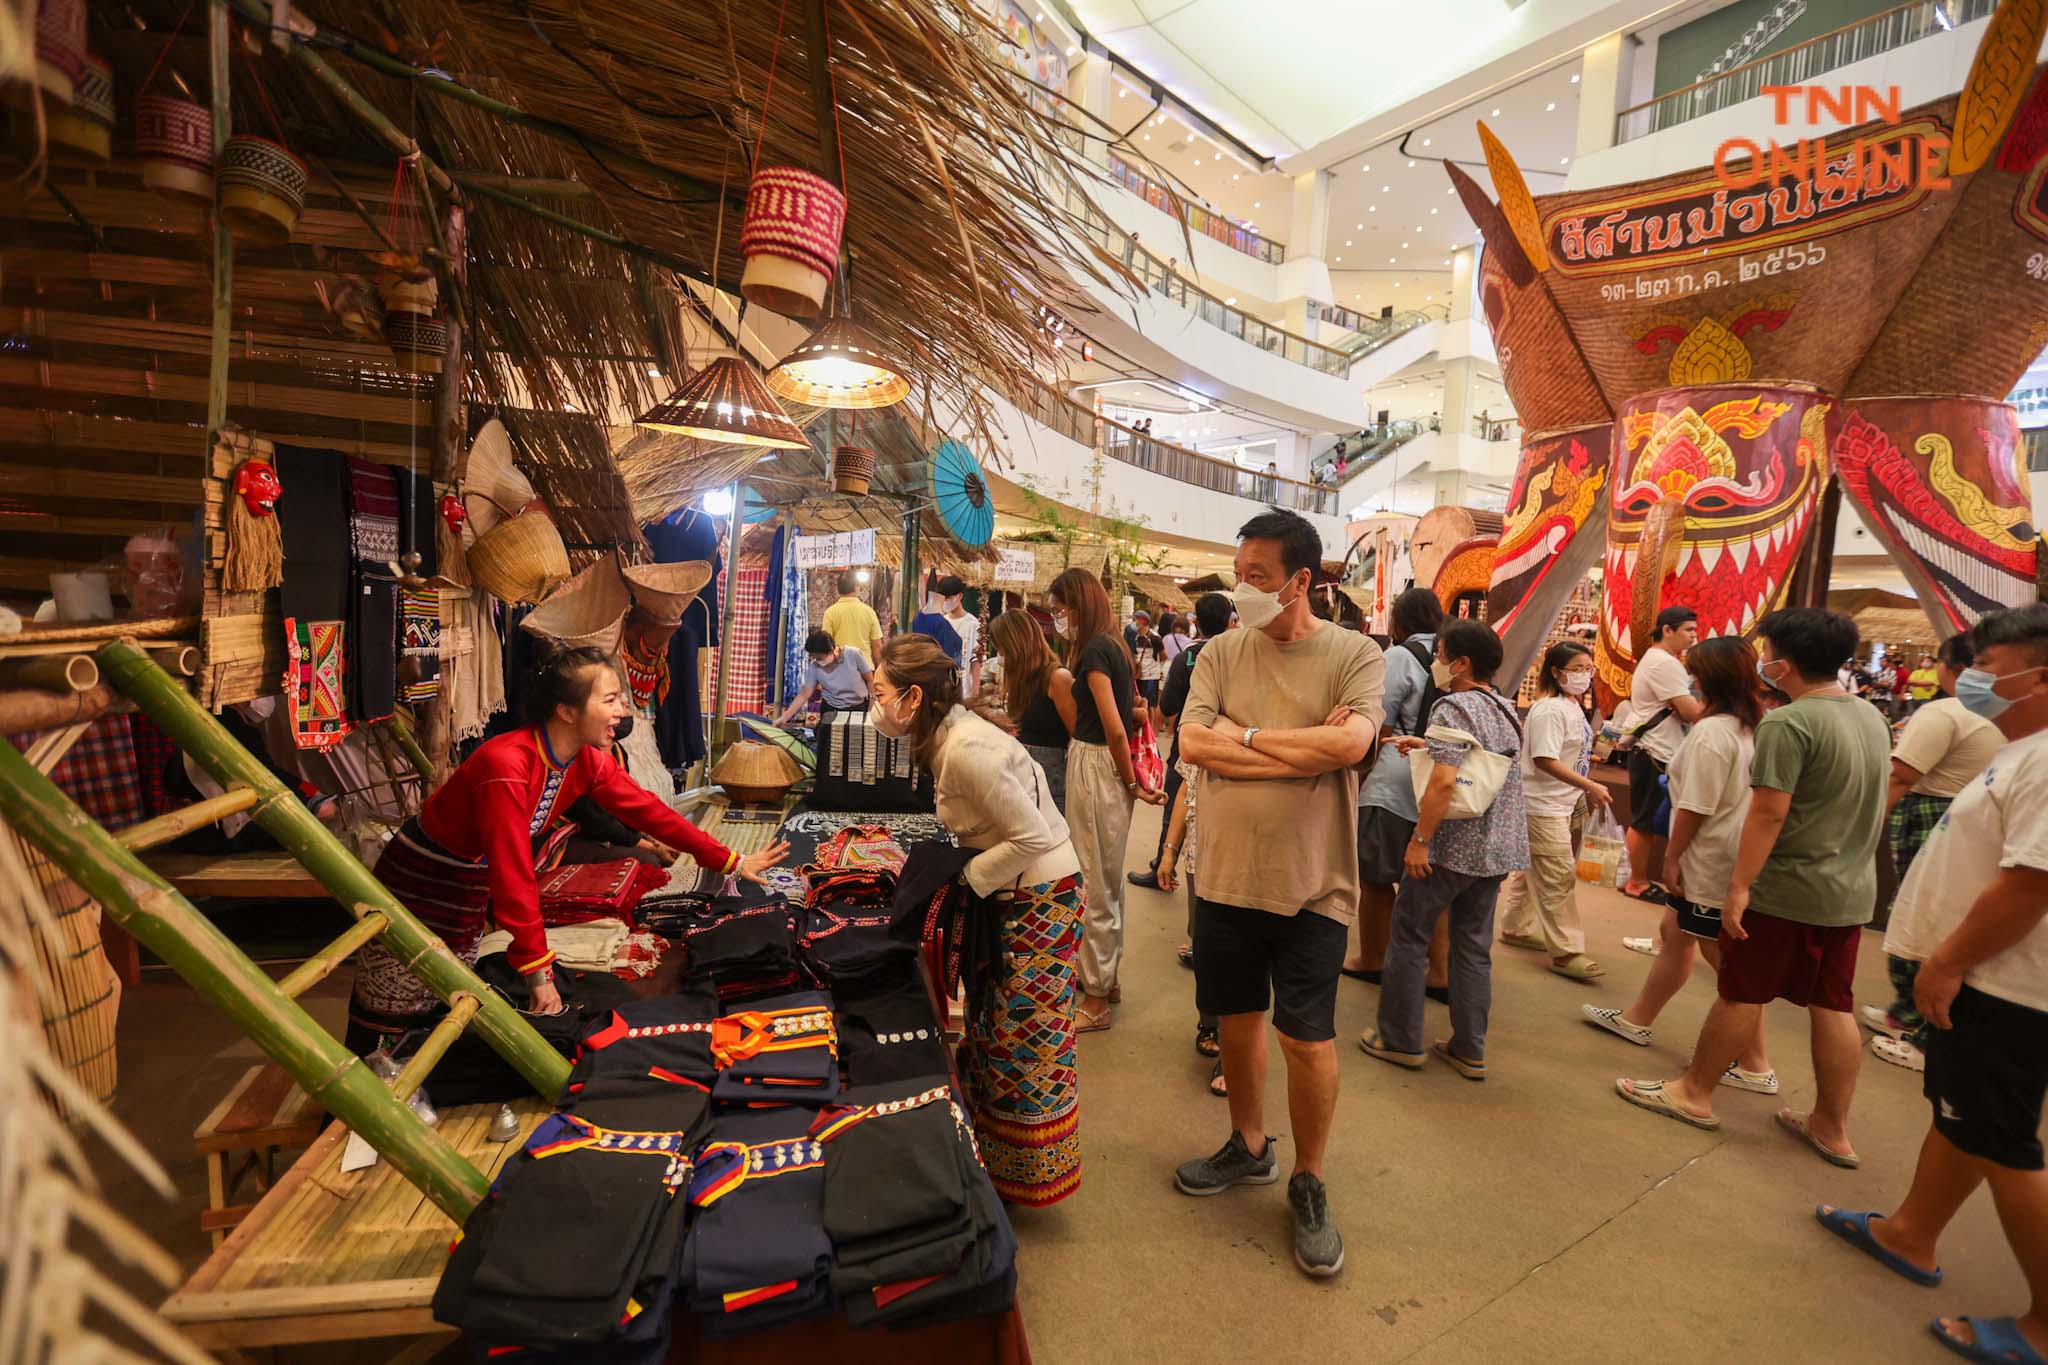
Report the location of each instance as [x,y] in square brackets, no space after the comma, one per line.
[56,1303]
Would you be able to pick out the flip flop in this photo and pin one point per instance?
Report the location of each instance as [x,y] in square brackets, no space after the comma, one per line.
[1471,1071]
[1215,1075]
[1207,1041]
[1579,967]
[1360,974]
[1529,941]
[1652,894]
[1794,1123]
[1898,1052]
[1651,1095]
[1996,1341]
[1854,1228]
[1369,1043]
[1087,1022]
[1646,946]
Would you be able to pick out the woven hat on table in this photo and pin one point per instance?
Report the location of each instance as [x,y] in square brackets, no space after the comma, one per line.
[587,611]
[726,402]
[490,474]
[664,591]
[753,771]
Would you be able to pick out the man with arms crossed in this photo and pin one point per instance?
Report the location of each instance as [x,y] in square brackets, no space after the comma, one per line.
[1972,915]
[1278,714]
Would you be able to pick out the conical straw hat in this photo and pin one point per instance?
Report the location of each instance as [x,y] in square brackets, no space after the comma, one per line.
[753,771]
[665,591]
[588,610]
[490,474]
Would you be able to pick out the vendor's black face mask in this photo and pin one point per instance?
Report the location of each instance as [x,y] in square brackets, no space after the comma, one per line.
[622,729]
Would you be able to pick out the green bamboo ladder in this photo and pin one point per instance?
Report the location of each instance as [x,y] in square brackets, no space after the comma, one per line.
[107,866]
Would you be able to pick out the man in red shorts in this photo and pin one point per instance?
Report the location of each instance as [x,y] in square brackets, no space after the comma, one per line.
[1804,884]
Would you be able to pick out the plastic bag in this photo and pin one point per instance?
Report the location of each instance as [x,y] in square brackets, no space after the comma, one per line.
[1145,757]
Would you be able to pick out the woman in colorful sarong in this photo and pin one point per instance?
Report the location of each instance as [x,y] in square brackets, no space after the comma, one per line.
[1017,1060]
[471,853]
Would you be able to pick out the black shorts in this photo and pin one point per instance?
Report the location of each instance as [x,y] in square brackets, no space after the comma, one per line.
[1701,921]
[1645,793]
[1148,688]
[1382,839]
[1247,960]
[1986,1078]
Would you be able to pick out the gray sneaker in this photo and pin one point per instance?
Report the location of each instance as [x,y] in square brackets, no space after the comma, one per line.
[1233,1164]
[1318,1250]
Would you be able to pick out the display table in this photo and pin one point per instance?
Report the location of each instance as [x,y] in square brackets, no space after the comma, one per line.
[333,1256]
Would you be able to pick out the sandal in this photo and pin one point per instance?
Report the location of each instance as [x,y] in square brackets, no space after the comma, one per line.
[1089,1021]
[1994,1340]
[1207,1041]
[1652,1096]
[1185,955]
[1529,941]
[1854,1228]
[1898,1052]
[1646,946]
[1217,1086]
[1369,975]
[1370,1044]
[1579,967]
[1652,894]
[1471,1071]
[1795,1123]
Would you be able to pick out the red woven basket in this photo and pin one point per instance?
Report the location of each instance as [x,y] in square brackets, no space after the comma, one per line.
[791,240]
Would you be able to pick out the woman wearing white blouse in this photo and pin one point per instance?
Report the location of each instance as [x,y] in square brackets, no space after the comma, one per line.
[1017,1063]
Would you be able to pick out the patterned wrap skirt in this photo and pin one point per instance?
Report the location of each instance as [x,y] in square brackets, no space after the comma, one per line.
[1017,1059]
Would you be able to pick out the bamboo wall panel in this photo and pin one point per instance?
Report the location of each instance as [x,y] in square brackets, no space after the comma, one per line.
[78,996]
[182,441]
[85,381]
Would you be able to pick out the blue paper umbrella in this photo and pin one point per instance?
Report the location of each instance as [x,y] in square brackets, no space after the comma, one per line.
[961,495]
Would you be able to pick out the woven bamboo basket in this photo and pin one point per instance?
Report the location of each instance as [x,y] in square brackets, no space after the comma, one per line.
[174,140]
[521,557]
[665,591]
[489,473]
[588,611]
[790,238]
[83,134]
[751,771]
[262,190]
[78,995]
[853,469]
[60,48]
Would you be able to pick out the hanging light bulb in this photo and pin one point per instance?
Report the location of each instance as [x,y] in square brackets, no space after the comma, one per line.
[840,365]
[726,402]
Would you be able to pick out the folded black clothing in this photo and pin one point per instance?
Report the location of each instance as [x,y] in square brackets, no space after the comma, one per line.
[633,1105]
[473,1073]
[779,1050]
[524,1272]
[895,1192]
[890,1035]
[929,873]
[741,938]
[842,940]
[984,1284]
[757,1250]
[666,1037]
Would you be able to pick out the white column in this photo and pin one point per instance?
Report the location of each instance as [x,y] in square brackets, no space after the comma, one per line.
[1088,85]
[1603,81]
[1464,269]
[1304,278]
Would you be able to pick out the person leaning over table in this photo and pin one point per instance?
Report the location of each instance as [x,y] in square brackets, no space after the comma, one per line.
[468,858]
[838,677]
[1017,1061]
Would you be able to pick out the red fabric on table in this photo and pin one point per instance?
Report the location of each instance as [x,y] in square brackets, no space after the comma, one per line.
[578,892]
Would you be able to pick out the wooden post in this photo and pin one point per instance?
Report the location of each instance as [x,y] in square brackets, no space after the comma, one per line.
[218,49]
[451,425]
[51,672]
[146,906]
[193,729]
[911,596]
[732,582]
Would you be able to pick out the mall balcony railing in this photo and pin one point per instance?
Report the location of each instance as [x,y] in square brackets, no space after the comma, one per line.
[1127,445]
[1495,428]
[1367,448]
[1165,279]
[1199,219]
[1368,334]
[1800,64]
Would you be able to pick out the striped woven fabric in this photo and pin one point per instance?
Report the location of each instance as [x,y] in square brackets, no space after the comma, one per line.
[794,214]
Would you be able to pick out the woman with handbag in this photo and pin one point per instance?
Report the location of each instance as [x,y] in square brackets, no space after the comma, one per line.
[1471,830]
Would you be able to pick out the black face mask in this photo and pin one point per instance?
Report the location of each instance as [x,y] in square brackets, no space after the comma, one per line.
[622,729]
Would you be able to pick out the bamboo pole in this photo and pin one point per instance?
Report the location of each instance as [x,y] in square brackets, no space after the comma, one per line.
[223,241]
[725,608]
[147,907]
[410,747]
[435,1046]
[180,661]
[51,672]
[321,964]
[21,712]
[202,737]
[178,823]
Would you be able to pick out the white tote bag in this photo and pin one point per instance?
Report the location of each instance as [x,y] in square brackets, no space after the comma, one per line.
[1479,777]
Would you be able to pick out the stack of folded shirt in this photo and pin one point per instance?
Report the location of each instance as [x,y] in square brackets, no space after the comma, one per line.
[889,1034]
[744,951]
[578,1246]
[842,944]
[646,1046]
[757,1255]
[918,1235]
[782,1050]
[576,892]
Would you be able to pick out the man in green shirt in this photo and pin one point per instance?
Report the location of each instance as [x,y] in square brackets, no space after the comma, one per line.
[1804,885]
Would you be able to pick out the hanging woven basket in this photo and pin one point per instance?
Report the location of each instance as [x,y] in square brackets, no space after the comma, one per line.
[262,190]
[751,771]
[521,557]
[853,469]
[418,342]
[588,611]
[174,141]
[409,291]
[791,240]
[664,591]
[83,134]
[60,49]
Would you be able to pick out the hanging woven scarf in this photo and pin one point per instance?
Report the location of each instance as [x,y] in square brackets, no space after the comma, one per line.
[373,599]
[315,594]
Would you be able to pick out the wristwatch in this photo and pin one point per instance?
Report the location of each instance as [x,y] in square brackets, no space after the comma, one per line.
[1246,738]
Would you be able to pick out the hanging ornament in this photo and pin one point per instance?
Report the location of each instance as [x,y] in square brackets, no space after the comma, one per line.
[255,559]
[60,48]
[840,365]
[449,559]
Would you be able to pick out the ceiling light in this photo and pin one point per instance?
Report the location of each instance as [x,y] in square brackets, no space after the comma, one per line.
[1230,302]
[1411,165]
[1385,188]
[840,365]
[1359,226]
[1366,167]
[1255,203]
[1148,137]
[1550,106]
[1564,161]
[1072,50]
[1404,246]
[1372,208]
[1397,284]
[1347,242]
[1495,114]
[1340,259]
[1121,92]
[1390,260]
[1447,260]
[1234,176]
[727,404]
[1198,161]
[1575,79]
[654,371]
[1425,142]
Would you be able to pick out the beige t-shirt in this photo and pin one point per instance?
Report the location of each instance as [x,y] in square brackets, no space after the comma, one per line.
[1949,744]
[1658,678]
[1283,845]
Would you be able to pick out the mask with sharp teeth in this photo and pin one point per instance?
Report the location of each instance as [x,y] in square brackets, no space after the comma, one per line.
[1939,482]
[1713,493]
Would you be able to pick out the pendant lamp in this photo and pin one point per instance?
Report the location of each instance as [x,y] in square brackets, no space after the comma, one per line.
[726,402]
[840,365]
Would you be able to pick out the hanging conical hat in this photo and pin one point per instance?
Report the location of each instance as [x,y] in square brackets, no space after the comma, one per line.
[589,609]
[665,591]
[490,474]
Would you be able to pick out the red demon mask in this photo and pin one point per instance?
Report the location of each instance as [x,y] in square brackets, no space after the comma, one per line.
[257,486]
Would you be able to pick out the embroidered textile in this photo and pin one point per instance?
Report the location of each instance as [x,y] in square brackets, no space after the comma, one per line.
[316,682]
[419,628]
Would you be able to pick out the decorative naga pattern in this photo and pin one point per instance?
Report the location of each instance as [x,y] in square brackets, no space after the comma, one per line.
[1954,512]
[1560,489]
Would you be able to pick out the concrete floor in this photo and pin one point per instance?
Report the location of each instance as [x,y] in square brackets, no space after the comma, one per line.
[1534,1217]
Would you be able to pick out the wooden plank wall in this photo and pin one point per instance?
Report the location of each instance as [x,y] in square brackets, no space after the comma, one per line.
[104,338]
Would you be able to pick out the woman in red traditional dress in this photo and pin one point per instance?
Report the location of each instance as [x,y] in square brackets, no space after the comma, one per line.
[470,855]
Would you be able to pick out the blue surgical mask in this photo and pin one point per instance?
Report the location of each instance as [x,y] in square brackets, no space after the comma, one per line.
[1762,664]
[1975,690]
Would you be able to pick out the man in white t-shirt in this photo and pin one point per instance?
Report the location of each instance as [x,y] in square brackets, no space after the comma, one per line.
[1662,693]
[967,626]
[1974,913]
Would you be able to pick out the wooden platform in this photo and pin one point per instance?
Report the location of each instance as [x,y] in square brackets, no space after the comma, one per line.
[327,1256]
[251,876]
